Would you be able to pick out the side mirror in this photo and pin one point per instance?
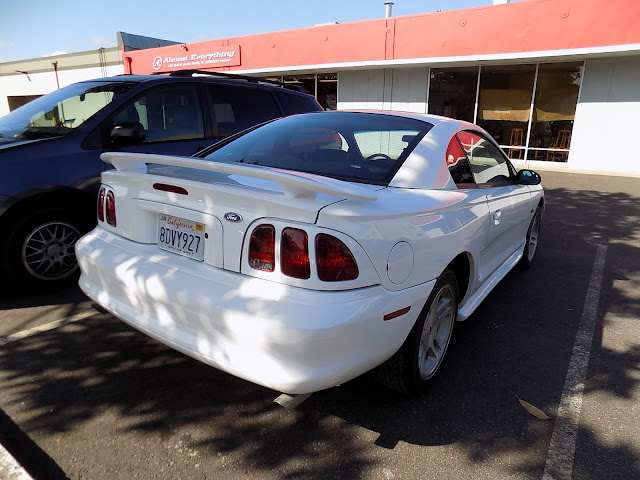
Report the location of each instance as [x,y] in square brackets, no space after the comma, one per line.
[528,177]
[128,133]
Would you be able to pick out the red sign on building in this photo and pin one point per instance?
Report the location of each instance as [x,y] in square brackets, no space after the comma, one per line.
[197,59]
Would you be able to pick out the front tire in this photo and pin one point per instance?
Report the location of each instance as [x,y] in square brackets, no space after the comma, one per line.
[411,368]
[532,240]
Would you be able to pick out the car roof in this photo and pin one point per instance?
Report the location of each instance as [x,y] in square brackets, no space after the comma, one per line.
[424,117]
[228,79]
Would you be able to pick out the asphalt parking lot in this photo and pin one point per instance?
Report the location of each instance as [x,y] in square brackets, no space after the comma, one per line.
[86,397]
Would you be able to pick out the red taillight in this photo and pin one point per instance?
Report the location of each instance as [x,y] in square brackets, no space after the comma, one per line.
[335,260]
[262,248]
[101,204]
[110,208]
[294,253]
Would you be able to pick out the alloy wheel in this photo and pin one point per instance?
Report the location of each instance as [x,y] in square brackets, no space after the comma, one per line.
[534,234]
[48,252]
[436,331]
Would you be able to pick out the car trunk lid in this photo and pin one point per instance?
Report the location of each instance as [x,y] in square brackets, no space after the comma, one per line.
[224,200]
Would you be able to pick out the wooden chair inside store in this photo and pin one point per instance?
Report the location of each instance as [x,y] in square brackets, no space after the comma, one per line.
[563,140]
[517,140]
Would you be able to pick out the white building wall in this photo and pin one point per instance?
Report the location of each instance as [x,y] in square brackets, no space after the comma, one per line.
[403,89]
[45,82]
[607,116]
[409,92]
[361,90]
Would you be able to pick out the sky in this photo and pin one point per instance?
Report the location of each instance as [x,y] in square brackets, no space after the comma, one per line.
[40,28]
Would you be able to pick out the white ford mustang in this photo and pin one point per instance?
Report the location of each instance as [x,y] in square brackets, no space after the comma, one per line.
[309,250]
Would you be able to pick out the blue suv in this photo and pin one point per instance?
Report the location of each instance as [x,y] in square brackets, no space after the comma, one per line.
[50,152]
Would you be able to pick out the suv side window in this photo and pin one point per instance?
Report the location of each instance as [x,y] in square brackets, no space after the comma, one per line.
[166,113]
[488,164]
[238,108]
[458,164]
[293,104]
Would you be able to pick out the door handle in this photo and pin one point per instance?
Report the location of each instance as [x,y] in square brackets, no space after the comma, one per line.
[497,216]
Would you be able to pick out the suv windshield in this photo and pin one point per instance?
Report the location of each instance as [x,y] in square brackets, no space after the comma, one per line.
[356,147]
[59,112]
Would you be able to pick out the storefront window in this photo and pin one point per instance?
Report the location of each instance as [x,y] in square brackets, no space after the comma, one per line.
[308,82]
[452,92]
[554,111]
[328,90]
[504,105]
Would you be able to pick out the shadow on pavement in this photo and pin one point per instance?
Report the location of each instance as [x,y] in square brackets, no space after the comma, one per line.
[67,295]
[20,312]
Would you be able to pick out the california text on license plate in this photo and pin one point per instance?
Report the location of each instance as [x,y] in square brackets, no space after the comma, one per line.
[181,236]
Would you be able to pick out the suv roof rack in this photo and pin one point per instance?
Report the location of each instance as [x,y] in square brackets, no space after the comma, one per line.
[189,73]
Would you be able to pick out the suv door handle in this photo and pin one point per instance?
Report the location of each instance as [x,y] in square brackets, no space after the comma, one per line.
[497,216]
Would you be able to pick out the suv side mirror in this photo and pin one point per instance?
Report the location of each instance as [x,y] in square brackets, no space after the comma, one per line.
[128,133]
[528,177]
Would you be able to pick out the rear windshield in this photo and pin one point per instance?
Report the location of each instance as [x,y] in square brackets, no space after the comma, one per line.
[356,147]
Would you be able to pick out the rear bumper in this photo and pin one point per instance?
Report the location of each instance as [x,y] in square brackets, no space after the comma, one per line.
[286,338]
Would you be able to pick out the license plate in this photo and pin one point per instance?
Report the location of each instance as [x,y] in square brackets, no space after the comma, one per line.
[181,236]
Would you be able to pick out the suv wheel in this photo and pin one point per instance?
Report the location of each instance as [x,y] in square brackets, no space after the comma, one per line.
[40,250]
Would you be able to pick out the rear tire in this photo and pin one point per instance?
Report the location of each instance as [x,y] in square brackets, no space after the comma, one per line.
[411,368]
[39,250]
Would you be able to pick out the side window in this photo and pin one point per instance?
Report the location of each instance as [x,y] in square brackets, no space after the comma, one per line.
[458,164]
[166,113]
[293,104]
[488,164]
[238,108]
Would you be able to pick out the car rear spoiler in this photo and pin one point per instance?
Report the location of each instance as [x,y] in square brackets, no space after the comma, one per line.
[294,184]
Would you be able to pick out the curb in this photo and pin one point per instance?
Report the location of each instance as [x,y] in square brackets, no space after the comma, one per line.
[10,469]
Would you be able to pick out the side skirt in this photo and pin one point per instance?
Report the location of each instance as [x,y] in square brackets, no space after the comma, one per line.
[470,305]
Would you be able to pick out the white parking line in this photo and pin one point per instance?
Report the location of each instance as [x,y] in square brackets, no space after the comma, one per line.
[46,327]
[559,464]
[10,469]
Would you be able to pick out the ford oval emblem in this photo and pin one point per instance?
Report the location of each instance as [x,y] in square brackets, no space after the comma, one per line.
[233,217]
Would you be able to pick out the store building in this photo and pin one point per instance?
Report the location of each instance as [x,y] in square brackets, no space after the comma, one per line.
[554,81]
